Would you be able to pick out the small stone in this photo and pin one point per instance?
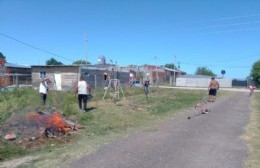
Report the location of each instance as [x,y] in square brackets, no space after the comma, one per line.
[10,137]
[32,138]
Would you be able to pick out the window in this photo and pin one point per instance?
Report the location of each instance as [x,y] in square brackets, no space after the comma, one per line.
[42,74]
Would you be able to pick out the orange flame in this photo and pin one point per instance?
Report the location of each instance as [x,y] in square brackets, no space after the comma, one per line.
[50,121]
[57,122]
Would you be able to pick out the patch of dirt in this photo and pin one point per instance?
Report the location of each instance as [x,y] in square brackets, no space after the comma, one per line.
[18,162]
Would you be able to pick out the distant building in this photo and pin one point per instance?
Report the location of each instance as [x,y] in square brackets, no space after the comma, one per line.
[13,74]
[65,77]
[155,74]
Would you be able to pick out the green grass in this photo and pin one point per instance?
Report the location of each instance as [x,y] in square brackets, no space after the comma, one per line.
[9,149]
[253,134]
[106,121]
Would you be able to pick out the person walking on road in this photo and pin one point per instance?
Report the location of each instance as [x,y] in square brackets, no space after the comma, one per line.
[83,90]
[213,87]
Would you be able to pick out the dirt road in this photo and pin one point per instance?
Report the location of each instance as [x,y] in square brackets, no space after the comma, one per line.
[205,141]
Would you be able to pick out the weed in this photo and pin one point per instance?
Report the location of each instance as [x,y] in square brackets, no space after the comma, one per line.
[9,150]
[86,118]
[253,134]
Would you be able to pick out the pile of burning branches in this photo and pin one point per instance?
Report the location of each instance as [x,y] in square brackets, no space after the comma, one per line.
[52,124]
[33,128]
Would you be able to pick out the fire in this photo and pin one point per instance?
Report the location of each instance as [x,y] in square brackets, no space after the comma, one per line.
[49,121]
[57,122]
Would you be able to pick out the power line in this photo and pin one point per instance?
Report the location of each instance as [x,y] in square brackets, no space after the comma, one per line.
[220,23]
[34,47]
[232,30]
[221,66]
[233,24]
[234,17]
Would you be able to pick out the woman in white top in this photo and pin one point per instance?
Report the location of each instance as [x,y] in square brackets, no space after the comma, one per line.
[83,90]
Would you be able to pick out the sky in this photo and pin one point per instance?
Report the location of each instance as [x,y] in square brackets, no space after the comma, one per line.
[216,34]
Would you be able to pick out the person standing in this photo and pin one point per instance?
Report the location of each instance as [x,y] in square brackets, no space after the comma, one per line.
[83,90]
[43,89]
[252,89]
[146,86]
[213,87]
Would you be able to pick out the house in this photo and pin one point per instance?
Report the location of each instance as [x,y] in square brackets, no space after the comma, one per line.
[65,77]
[155,73]
[13,74]
[173,74]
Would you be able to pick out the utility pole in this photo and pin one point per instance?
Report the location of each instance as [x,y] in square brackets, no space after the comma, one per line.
[86,43]
[157,77]
[179,67]
[174,76]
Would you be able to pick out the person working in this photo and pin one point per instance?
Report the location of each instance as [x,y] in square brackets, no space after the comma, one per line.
[146,86]
[213,87]
[83,90]
[43,89]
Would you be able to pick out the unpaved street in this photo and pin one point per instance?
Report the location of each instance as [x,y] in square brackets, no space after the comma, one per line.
[205,141]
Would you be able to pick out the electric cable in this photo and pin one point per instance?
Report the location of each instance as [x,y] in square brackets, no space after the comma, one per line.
[34,47]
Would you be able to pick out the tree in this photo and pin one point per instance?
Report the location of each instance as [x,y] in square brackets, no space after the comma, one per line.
[3,57]
[255,73]
[53,61]
[80,62]
[204,71]
[171,66]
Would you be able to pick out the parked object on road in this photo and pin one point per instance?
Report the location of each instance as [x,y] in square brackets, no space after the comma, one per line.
[200,108]
[136,83]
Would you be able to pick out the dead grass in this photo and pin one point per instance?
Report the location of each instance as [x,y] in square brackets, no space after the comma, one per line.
[253,134]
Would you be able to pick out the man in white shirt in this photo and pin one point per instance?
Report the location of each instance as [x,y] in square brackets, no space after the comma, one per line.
[43,89]
[83,90]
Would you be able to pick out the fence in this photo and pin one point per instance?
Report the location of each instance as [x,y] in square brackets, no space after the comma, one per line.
[15,80]
[201,82]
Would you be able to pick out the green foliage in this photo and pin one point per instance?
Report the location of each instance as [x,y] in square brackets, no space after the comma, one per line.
[4,117]
[2,56]
[80,62]
[204,71]
[69,105]
[253,134]
[179,100]
[171,66]
[53,61]
[86,118]
[12,101]
[255,73]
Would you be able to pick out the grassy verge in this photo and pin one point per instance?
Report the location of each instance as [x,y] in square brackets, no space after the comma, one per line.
[106,121]
[253,134]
